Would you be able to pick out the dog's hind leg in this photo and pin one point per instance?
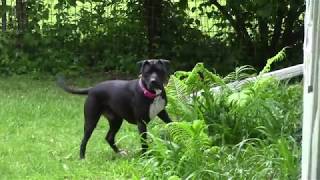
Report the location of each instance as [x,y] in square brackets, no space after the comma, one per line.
[114,126]
[92,113]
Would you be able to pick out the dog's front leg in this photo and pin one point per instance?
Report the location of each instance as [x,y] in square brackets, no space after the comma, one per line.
[142,127]
[163,115]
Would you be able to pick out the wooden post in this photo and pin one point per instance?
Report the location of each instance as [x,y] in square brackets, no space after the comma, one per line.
[310,164]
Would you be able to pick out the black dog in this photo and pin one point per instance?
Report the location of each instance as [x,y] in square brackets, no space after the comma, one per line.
[137,101]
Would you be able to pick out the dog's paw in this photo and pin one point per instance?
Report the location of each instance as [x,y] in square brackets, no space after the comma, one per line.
[123,153]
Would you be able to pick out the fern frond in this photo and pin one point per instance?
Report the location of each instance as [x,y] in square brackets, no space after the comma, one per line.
[179,100]
[177,89]
[180,132]
[240,73]
[188,132]
[281,55]
[201,76]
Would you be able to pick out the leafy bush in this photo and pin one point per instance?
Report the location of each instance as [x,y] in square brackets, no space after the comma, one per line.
[249,132]
[184,154]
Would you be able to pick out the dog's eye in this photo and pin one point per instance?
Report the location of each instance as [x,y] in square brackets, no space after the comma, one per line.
[147,69]
[158,71]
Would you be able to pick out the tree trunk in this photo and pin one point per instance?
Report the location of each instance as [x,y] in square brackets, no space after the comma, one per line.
[21,15]
[4,15]
[278,25]
[152,11]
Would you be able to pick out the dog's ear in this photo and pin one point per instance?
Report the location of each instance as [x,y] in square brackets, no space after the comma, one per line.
[166,63]
[141,64]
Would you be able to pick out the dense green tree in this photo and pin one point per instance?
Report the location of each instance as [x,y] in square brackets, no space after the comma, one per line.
[110,35]
[261,27]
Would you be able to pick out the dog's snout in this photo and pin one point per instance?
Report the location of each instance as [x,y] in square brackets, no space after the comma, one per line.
[153,81]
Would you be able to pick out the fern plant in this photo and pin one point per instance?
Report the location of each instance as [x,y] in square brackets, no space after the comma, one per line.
[184,154]
[243,133]
[182,85]
[240,73]
[180,102]
[280,56]
[199,77]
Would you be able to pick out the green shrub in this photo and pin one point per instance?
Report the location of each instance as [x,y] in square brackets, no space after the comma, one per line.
[229,133]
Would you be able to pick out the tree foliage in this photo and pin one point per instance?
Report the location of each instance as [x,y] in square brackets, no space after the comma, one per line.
[76,35]
[260,27]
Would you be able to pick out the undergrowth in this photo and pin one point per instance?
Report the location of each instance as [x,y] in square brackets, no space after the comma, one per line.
[248,133]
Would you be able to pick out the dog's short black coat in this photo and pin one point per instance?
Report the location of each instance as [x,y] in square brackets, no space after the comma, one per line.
[120,99]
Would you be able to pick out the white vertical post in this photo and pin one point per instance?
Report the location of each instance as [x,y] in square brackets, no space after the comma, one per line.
[310,164]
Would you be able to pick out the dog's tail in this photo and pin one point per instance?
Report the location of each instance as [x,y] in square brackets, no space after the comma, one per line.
[61,83]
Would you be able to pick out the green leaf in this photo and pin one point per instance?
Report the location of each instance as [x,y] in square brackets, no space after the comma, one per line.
[197,21]
[72,2]
[265,11]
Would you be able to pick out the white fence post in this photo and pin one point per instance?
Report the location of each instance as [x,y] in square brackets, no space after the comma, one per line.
[310,164]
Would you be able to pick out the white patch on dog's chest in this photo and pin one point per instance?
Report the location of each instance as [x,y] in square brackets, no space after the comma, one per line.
[156,106]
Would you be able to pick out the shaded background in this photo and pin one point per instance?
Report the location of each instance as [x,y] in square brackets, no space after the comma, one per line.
[76,36]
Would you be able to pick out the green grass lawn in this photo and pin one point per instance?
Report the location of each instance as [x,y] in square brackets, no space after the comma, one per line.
[40,131]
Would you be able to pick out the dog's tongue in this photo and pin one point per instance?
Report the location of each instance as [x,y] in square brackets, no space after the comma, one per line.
[147,93]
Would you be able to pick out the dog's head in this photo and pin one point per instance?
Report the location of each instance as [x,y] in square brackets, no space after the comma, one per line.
[154,73]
